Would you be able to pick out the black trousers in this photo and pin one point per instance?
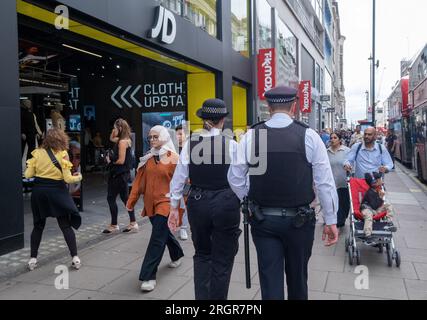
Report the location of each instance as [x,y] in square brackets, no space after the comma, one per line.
[118,185]
[65,225]
[283,248]
[161,237]
[214,221]
[344,206]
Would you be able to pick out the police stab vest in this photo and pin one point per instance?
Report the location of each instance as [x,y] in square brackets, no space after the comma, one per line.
[209,162]
[288,180]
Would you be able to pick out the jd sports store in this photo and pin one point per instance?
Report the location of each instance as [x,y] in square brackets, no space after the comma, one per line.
[106,66]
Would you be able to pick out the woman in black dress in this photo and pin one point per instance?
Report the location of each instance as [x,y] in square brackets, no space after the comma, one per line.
[120,163]
[50,165]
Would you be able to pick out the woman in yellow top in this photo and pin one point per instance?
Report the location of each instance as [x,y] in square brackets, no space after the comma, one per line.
[50,165]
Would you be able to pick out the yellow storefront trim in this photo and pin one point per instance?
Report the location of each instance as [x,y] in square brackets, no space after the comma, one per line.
[239,108]
[49,17]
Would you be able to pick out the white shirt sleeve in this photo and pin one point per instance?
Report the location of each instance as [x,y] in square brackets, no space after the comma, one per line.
[237,173]
[180,177]
[322,175]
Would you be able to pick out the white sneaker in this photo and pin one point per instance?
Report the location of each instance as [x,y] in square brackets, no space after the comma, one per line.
[183,234]
[76,263]
[32,264]
[111,229]
[132,227]
[148,286]
[175,264]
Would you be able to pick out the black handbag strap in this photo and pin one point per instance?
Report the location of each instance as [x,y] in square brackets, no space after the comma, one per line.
[54,160]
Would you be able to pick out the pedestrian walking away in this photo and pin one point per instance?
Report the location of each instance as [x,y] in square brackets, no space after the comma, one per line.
[213,208]
[120,164]
[282,222]
[51,167]
[152,181]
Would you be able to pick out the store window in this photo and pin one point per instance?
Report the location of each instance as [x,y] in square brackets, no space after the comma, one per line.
[287,54]
[317,78]
[239,26]
[307,66]
[201,13]
[328,84]
[264,24]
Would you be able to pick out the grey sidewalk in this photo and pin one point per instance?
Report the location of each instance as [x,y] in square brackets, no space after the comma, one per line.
[111,267]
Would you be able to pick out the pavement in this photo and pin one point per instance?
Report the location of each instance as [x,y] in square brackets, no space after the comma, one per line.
[111,264]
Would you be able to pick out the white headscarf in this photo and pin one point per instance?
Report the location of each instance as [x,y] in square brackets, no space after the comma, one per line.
[164,139]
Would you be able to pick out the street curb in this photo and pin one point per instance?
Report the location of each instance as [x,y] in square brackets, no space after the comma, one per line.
[411,174]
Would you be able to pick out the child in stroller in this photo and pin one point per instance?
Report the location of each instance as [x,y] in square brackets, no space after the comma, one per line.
[370,223]
[373,204]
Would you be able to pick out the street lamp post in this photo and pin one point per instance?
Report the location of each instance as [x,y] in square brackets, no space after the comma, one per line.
[373,63]
[367,104]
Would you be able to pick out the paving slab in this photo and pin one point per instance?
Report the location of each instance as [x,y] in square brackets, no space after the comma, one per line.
[28,291]
[379,287]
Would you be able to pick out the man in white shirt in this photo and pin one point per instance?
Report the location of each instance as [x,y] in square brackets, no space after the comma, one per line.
[213,208]
[291,158]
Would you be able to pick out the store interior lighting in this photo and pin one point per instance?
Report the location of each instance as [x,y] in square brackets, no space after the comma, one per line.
[81,50]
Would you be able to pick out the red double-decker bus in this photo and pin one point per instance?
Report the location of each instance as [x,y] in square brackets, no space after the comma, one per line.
[417,106]
[399,121]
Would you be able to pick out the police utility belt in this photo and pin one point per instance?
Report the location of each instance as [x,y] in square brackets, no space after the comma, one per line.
[300,215]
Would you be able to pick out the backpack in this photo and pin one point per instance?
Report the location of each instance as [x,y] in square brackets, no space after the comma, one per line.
[360,147]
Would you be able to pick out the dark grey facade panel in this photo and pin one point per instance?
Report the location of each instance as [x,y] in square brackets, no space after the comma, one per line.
[9,90]
[137,17]
[11,207]
[240,68]
[11,203]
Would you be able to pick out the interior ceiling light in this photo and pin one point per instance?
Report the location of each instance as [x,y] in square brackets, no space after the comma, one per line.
[118,66]
[81,50]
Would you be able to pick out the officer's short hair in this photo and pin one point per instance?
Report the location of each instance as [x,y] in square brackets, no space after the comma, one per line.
[281,106]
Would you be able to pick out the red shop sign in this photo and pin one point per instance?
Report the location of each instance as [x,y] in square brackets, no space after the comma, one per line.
[305,96]
[266,71]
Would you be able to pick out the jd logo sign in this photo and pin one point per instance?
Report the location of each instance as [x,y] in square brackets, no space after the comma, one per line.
[165,24]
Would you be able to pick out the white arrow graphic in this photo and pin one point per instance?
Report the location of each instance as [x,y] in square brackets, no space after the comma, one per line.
[114,99]
[132,96]
[123,96]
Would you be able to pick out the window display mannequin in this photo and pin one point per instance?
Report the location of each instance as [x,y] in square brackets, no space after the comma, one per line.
[58,120]
[28,127]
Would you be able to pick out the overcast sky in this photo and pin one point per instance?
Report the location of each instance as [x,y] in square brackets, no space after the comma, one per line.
[401,33]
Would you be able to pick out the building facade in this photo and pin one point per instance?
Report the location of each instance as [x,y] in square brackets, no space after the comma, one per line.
[339,101]
[155,62]
[150,62]
[308,46]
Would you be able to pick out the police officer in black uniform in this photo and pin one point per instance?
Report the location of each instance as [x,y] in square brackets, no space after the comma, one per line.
[282,223]
[213,208]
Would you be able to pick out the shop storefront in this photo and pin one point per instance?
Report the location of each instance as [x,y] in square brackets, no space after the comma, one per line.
[147,63]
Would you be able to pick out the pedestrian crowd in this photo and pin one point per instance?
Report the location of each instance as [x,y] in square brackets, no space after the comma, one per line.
[203,198]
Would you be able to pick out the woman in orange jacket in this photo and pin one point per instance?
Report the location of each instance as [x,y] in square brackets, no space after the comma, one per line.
[152,181]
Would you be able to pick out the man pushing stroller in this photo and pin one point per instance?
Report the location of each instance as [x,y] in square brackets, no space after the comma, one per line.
[373,203]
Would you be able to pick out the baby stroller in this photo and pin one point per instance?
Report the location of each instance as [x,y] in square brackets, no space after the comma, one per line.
[381,237]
